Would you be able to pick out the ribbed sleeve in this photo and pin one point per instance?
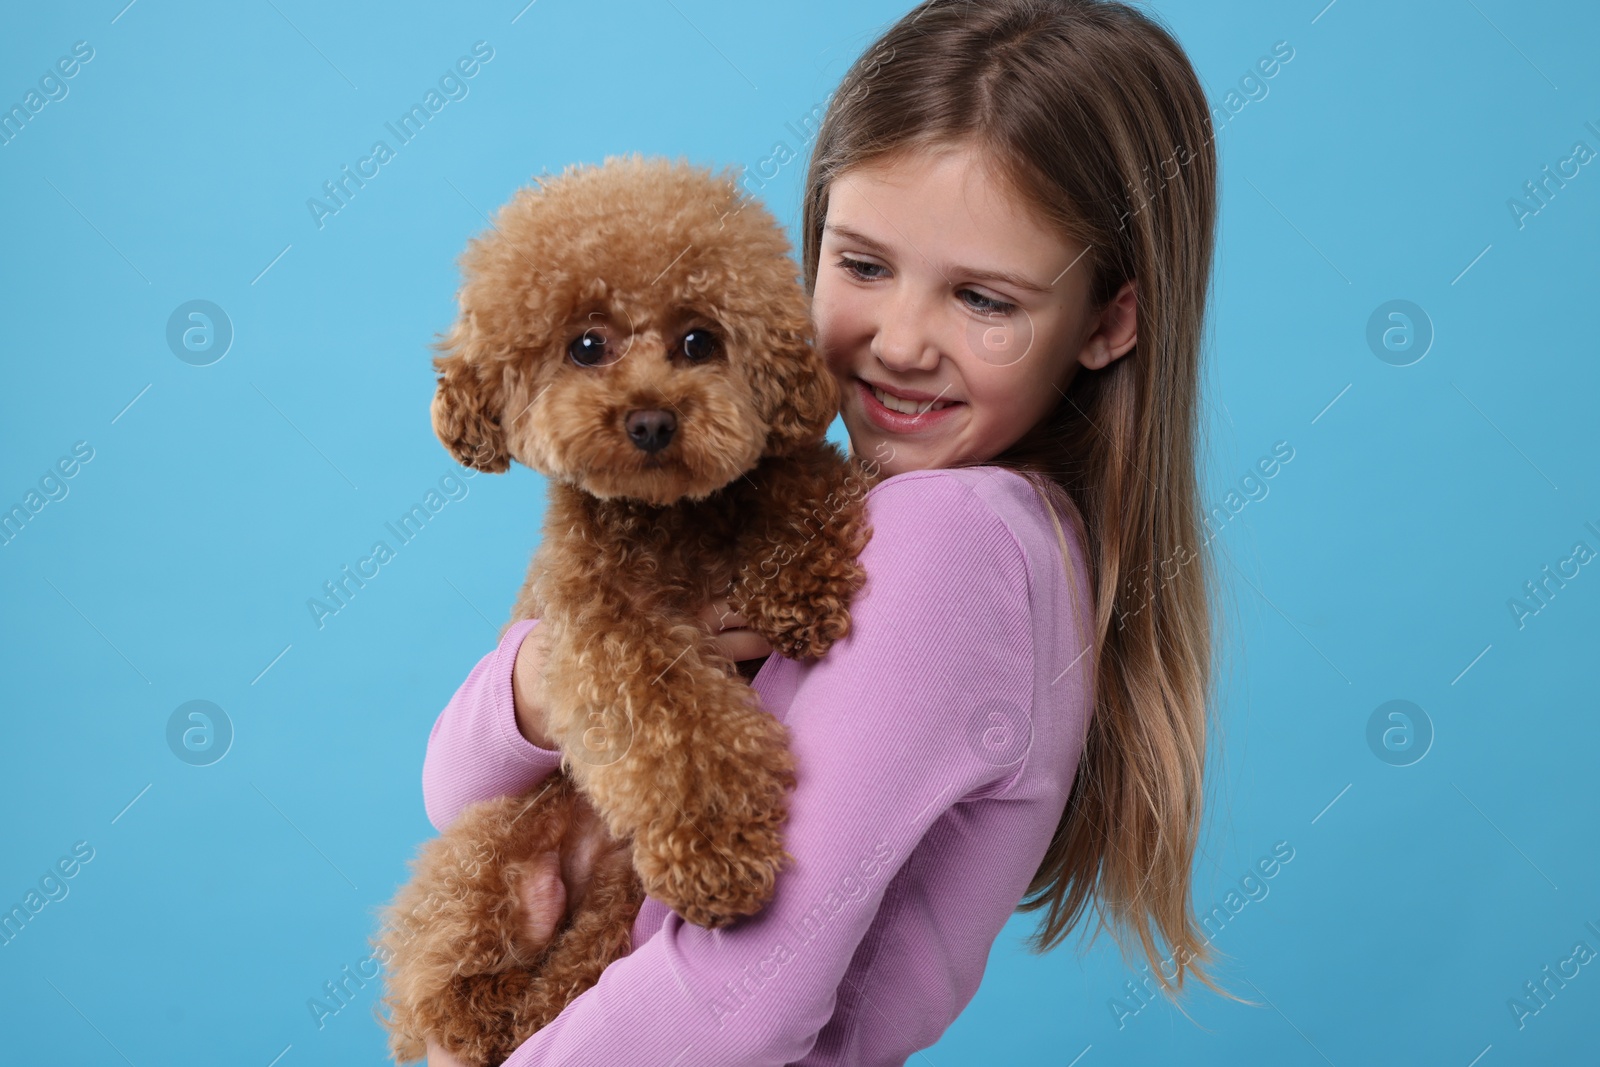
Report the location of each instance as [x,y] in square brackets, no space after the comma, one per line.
[475,751]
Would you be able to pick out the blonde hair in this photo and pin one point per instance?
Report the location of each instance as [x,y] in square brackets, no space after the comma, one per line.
[1095,116]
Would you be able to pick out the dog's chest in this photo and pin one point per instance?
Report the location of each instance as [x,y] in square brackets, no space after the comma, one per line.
[691,549]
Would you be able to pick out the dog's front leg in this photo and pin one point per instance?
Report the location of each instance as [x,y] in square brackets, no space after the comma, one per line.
[674,753]
[798,569]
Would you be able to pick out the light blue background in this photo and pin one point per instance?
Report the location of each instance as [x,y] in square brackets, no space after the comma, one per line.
[1377,567]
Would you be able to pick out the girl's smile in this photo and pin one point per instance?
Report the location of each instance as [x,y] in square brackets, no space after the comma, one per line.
[951,316]
[902,411]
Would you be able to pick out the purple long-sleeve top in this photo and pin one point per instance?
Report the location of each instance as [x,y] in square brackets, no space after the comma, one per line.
[934,745]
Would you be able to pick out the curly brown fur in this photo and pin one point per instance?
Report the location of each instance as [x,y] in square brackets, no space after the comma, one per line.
[464,969]
[680,472]
[666,740]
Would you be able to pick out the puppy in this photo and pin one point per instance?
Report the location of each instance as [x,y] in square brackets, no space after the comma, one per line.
[637,333]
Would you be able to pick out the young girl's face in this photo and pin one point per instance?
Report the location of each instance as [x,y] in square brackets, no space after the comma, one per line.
[935,286]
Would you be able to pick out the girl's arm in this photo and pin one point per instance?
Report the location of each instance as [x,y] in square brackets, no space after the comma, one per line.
[477,751]
[890,732]
[470,737]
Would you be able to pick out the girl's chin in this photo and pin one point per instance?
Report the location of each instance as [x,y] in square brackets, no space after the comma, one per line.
[890,457]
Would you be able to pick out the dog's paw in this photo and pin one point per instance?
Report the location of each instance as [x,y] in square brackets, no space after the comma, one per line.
[710,875]
[805,625]
[811,638]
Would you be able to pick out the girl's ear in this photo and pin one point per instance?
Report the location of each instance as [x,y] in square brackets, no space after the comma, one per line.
[1117,330]
[470,401]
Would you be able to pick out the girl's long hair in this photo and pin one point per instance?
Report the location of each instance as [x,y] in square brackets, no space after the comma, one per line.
[1096,118]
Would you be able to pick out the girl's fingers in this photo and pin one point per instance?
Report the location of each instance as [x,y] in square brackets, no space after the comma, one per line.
[438,1057]
[743,644]
[717,615]
[544,899]
[732,632]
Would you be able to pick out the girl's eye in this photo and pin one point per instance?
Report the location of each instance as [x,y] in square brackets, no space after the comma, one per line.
[987,305]
[590,349]
[855,267]
[982,304]
[699,345]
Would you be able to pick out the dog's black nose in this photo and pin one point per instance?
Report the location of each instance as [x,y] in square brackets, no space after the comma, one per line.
[651,430]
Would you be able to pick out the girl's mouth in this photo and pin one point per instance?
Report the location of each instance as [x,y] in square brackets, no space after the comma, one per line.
[916,414]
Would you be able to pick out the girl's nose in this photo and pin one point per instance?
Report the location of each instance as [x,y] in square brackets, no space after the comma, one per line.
[906,338]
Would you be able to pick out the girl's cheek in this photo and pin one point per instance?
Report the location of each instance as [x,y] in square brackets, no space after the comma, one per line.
[831,353]
[832,332]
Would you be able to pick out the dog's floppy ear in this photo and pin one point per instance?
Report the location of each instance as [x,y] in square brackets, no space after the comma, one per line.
[470,400]
[800,396]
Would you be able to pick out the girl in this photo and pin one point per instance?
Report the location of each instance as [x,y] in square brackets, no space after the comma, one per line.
[1007,239]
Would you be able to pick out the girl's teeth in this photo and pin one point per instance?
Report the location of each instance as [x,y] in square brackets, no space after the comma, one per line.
[907,407]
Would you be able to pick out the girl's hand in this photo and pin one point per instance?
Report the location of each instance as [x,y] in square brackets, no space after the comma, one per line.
[438,1057]
[732,632]
[526,690]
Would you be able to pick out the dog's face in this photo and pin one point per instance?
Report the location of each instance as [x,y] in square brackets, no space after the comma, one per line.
[636,329]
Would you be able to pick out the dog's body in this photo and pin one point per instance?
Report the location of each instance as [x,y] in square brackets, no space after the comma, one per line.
[653,514]
[666,740]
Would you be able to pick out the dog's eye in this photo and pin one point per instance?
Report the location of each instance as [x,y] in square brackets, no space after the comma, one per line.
[591,349]
[699,345]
